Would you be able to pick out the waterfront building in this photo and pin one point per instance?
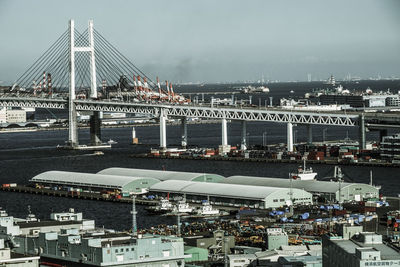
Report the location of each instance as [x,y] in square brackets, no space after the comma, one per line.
[10,115]
[10,226]
[233,194]
[363,249]
[164,175]
[393,101]
[359,101]
[390,148]
[330,190]
[94,182]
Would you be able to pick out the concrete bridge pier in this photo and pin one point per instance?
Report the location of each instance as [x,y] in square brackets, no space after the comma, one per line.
[163,130]
[309,134]
[243,143]
[290,137]
[95,130]
[224,132]
[362,130]
[184,132]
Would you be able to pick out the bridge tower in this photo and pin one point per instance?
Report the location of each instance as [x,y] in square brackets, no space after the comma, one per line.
[95,118]
[290,137]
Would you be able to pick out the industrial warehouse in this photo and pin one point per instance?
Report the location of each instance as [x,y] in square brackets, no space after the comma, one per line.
[94,182]
[238,191]
[236,195]
[332,191]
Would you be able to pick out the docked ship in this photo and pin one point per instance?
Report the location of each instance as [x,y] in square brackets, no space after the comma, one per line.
[207,210]
[163,207]
[303,173]
[252,89]
[183,207]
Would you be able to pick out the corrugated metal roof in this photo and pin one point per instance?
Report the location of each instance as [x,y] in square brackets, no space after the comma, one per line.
[309,186]
[164,175]
[219,189]
[87,179]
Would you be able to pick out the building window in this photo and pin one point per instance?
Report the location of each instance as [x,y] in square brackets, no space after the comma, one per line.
[275,200]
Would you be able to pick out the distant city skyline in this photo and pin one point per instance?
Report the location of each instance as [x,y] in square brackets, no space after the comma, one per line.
[217,41]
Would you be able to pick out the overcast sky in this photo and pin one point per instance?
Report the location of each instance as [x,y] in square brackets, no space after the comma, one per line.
[213,40]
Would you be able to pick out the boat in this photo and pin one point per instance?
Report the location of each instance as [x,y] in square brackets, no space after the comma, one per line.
[182,207]
[164,206]
[251,89]
[207,210]
[3,213]
[112,142]
[303,173]
[30,217]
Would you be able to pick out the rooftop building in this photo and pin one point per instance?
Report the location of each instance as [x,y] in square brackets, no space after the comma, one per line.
[363,249]
[8,258]
[276,238]
[104,248]
[70,240]
[10,226]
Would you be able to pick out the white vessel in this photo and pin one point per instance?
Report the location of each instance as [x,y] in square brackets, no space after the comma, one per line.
[251,89]
[112,142]
[207,210]
[183,207]
[304,173]
[31,217]
[3,213]
[164,206]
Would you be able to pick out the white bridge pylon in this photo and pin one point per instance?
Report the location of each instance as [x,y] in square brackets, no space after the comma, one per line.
[73,130]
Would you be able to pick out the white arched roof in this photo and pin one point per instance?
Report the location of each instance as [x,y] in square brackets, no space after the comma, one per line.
[164,175]
[89,179]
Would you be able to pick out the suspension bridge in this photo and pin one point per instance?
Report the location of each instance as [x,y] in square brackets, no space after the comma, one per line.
[85,72]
